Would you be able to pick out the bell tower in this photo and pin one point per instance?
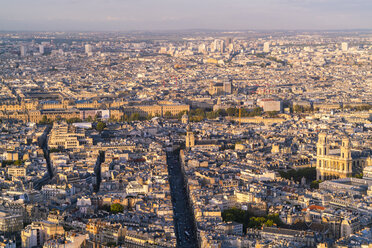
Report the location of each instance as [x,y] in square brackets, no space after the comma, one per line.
[322,145]
[345,149]
[190,138]
[322,151]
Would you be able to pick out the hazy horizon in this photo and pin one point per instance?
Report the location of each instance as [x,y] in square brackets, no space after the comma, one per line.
[164,15]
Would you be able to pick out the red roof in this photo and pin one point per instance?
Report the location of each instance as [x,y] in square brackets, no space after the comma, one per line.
[315,207]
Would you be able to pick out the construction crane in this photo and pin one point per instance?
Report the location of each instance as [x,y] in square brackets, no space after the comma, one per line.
[240,116]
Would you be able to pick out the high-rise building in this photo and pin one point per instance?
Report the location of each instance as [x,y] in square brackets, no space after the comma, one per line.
[88,49]
[23,50]
[163,50]
[228,41]
[201,48]
[213,46]
[344,46]
[231,47]
[41,49]
[222,46]
[269,105]
[218,45]
[266,47]
[228,87]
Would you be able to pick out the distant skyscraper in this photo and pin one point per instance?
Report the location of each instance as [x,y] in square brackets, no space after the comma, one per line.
[201,48]
[344,46]
[266,47]
[41,49]
[218,45]
[222,46]
[23,50]
[228,87]
[88,48]
[231,47]
[228,41]
[213,46]
[163,50]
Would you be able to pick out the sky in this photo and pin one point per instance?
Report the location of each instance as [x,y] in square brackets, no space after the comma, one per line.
[152,15]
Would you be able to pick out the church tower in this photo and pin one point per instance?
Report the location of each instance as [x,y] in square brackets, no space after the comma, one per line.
[322,151]
[190,138]
[345,149]
[347,166]
[185,119]
[322,146]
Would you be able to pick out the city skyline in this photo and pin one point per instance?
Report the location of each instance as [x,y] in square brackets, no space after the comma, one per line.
[114,15]
[186,139]
[186,124]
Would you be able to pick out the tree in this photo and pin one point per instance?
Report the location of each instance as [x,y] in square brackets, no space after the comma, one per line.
[257,111]
[197,115]
[168,114]
[124,118]
[73,120]
[269,223]
[298,109]
[196,118]
[309,173]
[44,120]
[212,115]
[315,184]
[200,112]
[221,112]
[244,112]
[100,126]
[249,220]
[360,176]
[53,150]
[18,162]
[272,114]
[302,109]
[134,117]
[231,111]
[116,208]
[275,218]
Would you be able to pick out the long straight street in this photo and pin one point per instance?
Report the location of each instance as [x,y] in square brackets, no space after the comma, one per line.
[184,220]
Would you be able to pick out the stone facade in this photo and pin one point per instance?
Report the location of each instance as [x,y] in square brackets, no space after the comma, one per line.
[342,164]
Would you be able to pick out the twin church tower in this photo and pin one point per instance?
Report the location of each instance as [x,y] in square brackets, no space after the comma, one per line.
[337,163]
